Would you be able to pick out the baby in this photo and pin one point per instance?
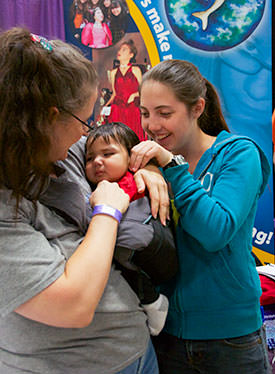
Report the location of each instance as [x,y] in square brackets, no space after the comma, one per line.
[145,250]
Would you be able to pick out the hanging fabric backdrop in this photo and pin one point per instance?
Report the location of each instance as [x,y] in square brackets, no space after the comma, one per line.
[42,17]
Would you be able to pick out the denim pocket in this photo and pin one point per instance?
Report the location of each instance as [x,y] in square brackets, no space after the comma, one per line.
[245,342]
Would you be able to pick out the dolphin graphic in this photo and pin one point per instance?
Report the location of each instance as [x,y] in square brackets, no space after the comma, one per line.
[203,16]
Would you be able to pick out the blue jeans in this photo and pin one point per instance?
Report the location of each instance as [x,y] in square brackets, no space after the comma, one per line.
[243,355]
[146,364]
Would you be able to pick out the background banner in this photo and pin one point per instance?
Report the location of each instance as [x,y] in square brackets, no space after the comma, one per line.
[228,40]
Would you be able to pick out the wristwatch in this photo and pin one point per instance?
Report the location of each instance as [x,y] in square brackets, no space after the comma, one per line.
[176,160]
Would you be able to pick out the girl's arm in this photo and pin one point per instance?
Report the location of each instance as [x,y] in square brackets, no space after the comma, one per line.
[214,213]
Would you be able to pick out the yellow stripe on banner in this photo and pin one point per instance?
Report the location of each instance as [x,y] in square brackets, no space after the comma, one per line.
[264,257]
[145,32]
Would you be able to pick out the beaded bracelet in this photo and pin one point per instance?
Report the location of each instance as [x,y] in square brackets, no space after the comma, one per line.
[108,210]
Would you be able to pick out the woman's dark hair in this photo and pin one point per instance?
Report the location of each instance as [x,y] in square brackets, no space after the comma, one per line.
[33,80]
[188,85]
[117,131]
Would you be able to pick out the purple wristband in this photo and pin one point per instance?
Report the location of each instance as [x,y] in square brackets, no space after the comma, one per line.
[108,210]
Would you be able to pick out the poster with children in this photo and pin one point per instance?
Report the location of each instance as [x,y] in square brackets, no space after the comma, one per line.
[229,41]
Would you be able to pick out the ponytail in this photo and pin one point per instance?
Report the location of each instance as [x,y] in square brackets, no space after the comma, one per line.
[212,121]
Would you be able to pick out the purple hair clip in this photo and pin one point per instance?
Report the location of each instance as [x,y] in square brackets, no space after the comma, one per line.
[42,41]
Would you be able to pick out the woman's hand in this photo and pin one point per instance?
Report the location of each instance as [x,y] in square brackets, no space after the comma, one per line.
[151,178]
[110,194]
[143,152]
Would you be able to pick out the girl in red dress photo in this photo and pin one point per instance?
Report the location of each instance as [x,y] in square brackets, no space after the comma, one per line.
[125,80]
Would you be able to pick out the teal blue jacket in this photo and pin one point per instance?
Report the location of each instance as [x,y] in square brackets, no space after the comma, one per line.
[216,294]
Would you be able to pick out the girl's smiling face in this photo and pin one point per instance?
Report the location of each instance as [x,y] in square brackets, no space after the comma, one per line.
[166,119]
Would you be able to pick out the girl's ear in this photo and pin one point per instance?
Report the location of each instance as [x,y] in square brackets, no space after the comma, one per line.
[198,108]
[53,114]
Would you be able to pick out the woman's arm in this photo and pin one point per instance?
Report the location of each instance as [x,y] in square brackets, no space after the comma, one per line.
[71,300]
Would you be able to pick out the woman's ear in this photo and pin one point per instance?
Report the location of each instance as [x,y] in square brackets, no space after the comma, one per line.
[198,108]
[53,114]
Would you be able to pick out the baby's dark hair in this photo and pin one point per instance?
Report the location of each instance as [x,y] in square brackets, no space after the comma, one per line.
[117,131]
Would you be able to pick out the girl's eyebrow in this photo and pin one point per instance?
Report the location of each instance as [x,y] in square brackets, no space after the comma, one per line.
[157,107]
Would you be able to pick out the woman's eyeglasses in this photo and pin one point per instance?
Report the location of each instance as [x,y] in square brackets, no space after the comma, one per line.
[89,125]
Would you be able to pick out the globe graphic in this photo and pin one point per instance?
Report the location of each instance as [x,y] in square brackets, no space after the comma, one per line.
[214,25]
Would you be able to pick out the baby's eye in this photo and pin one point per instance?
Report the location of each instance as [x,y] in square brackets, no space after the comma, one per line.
[165,114]
[108,154]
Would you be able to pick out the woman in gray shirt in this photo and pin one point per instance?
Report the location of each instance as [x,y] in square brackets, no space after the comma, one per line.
[64,308]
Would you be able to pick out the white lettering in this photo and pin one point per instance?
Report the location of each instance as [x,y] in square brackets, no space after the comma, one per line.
[261,237]
[145,3]
[162,34]
[158,28]
[164,47]
[154,17]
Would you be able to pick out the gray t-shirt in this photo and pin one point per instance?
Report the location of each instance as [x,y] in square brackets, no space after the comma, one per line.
[34,247]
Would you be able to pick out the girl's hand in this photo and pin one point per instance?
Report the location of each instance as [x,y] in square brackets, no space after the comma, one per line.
[151,178]
[143,152]
[110,194]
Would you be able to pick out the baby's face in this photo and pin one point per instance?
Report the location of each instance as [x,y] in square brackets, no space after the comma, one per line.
[106,161]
